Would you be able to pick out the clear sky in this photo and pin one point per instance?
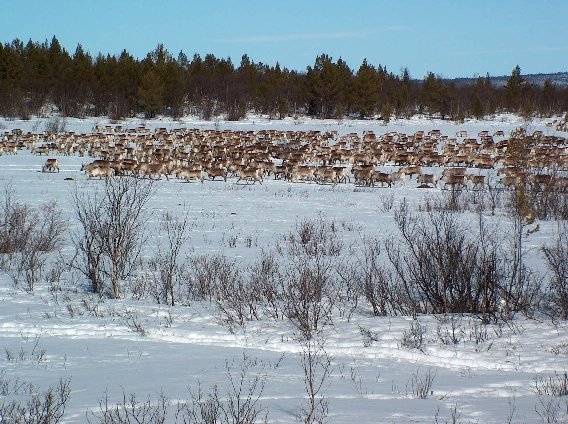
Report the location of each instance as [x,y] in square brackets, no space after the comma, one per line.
[451,38]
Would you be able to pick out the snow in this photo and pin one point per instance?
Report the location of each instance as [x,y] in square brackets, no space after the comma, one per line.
[52,334]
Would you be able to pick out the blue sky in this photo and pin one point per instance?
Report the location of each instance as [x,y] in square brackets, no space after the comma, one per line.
[450,38]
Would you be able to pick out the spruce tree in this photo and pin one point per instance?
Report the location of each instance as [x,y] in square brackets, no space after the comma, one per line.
[150,94]
[513,89]
[478,111]
[366,90]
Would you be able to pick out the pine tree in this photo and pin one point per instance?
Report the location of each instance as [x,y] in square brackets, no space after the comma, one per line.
[81,81]
[547,98]
[328,85]
[431,93]
[403,98]
[478,111]
[150,93]
[513,89]
[11,72]
[128,75]
[366,90]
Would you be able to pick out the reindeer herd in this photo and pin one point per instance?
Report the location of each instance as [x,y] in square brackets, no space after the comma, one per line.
[388,160]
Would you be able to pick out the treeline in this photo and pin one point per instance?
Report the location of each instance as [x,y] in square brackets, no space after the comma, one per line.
[35,76]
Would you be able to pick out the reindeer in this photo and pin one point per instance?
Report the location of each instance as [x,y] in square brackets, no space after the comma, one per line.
[127,167]
[398,176]
[381,177]
[250,174]
[303,172]
[342,174]
[457,171]
[189,173]
[152,170]
[478,181]
[363,176]
[427,179]
[510,182]
[541,180]
[40,150]
[411,170]
[282,172]
[454,180]
[50,165]
[98,170]
[323,174]
[217,172]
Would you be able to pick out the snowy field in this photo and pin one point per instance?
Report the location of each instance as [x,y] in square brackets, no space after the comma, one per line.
[486,375]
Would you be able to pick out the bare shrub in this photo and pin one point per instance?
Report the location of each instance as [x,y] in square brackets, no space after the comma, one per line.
[236,302]
[413,337]
[312,251]
[244,392]
[314,238]
[450,330]
[265,279]
[210,276]
[556,256]
[219,280]
[36,354]
[478,332]
[93,305]
[240,403]
[203,408]
[167,261]
[348,287]
[439,261]
[133,322]
[552,410]
[421,385]
[146,284]
[443,267]
[89,257]
[387,203]
[560,348]
[521,288]
[369,336]
[130,410]
[452,200]
[552,386]
[317,368]
[112,231]
[548,200]
[28,238]
[306,301]
[378,286]
[55,125]
[39,407]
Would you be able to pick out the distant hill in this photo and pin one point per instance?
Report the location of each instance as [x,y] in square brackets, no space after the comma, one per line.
[560,79]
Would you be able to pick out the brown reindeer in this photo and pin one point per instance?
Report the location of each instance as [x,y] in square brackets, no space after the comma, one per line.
[478,181]
[454,180]
[324,174]
[50,165]
[98,170]
[427,179]
[250,174]
[189,173]
[411,170]
[213,173]
[381,177]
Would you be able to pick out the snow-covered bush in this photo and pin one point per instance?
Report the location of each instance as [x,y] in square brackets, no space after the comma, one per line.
[28,239]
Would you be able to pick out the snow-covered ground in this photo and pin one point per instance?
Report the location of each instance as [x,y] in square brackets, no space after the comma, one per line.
[488,376]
